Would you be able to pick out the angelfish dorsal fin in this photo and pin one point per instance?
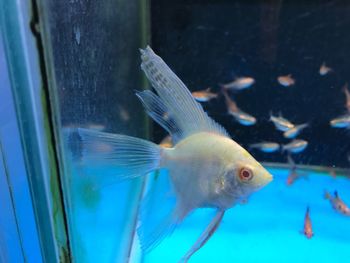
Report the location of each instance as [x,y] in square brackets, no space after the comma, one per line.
[187,115]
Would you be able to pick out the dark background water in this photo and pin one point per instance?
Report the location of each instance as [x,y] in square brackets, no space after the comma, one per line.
[210,42]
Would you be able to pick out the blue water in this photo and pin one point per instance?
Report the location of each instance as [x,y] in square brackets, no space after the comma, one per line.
[267,228]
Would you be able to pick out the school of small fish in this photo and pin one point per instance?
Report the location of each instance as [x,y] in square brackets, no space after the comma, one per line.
[289,131]
[207,169]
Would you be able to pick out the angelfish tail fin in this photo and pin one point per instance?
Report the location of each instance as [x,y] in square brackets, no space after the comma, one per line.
[125,157]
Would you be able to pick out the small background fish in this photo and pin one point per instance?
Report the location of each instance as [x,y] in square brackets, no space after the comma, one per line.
[267,147]
[239,83]
[295,146]
[204,95]
[286,80]
[324,69]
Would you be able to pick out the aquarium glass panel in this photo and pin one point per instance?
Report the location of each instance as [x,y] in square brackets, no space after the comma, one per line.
[92,61]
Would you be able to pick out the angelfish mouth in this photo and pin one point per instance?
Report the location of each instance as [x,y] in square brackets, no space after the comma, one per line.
[270,177]
[267,179]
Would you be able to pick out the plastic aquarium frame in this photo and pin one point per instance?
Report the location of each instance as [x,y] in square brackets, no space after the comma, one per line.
[32,178]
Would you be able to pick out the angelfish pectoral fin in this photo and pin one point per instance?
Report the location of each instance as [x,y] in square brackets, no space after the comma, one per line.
[205,236]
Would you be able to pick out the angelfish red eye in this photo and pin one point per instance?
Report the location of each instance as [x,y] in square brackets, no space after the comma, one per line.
[245,174]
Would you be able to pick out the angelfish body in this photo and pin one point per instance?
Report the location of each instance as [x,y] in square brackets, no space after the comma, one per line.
[199,158]
[206,167]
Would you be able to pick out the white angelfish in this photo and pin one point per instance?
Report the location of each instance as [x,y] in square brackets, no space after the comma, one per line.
[207,169]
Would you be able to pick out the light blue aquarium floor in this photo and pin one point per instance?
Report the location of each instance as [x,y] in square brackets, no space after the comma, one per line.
[267,228]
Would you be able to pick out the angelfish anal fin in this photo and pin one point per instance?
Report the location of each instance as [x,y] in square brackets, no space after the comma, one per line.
[205,236]
[160,213]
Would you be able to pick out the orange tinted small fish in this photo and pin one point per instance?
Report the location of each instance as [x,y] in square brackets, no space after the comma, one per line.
[286,80]
[204,95]
[324,70]
[332,173]
[293,175]
[166,142]
[295,146]
[307,231]
[244,118]
[341,121]
[239,115]
[281,124]
[230,104]
[239,83]
[267,147]
[293,132]
[337,203]
[347,96]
